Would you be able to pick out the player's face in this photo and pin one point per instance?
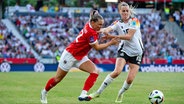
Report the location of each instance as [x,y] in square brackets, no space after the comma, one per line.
[124,12]
[97,25]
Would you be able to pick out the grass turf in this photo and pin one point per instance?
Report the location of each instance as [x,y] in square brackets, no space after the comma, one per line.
[25,87]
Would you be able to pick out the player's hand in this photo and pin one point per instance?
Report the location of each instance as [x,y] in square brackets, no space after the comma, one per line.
[100,31]
[107,37]
[115,41]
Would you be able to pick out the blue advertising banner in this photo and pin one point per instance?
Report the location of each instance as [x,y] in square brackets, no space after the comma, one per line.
[40,67]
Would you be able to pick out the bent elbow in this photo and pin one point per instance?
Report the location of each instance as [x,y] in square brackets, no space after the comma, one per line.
[97,49]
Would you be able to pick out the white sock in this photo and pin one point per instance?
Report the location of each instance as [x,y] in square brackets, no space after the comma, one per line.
[84,92]
[105,83]
[44,91]
[124,87]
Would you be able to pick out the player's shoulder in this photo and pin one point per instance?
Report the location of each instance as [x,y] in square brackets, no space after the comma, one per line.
[116,22]
[134,19]
[134,22]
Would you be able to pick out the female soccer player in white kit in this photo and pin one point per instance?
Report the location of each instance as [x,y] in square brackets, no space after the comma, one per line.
[75,55]
[130,49]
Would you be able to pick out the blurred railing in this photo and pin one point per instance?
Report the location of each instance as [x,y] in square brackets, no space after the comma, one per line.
[64,14]
[95,60]
[19,60]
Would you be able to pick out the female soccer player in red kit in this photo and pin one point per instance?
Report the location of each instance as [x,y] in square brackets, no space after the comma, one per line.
[76,55]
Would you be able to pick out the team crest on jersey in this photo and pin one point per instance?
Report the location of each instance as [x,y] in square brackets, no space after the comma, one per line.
[91,39]
[64,61]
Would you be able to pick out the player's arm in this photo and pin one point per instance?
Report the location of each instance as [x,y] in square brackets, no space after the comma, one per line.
[129,33]
[127,36]
[98,46]
[106,31]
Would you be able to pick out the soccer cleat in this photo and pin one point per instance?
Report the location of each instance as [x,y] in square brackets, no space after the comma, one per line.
[119,98]
[84,98]
[94,95]
[43,97]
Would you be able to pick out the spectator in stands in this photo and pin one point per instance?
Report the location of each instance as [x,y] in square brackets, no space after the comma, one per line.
[167,12]
[169,58]
[177,17]
[76,55]
[17,7]
[30,8]
[45,8]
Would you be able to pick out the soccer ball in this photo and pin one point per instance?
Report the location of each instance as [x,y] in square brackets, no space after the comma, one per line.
[156,97]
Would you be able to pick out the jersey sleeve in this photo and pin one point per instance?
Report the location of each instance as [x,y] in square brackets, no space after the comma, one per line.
[134,23]
[93,38]
[114,25]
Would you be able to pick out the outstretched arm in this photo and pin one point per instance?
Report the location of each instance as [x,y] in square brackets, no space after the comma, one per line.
[127,36]
[105,30]
[98,46]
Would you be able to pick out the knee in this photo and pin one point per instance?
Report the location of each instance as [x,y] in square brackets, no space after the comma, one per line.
[97,71]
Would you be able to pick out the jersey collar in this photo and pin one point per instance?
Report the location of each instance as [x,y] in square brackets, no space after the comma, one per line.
[123,21]
[90,25]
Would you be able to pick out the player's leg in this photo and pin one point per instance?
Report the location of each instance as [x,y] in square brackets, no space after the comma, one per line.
[133,69]
[134,65]
[120,63]
[65,64]
[88,66]
[60,74]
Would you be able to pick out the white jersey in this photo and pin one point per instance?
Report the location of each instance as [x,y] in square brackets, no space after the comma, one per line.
[133,47]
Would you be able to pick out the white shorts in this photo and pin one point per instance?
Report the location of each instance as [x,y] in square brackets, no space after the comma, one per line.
[67,61]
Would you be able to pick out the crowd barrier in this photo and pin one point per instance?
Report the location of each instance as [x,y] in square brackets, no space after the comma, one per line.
[95,60]
[19,60]
[40,67]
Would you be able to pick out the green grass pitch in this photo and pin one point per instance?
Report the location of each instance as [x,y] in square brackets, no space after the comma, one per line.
[25,87]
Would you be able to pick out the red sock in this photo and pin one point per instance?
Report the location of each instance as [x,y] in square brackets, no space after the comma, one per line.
[90,81]
[51,83]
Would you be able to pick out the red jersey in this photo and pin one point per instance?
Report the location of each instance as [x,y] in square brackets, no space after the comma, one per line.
[81,45]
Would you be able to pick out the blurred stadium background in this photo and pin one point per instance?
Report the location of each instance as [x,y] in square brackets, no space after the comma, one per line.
[33,33]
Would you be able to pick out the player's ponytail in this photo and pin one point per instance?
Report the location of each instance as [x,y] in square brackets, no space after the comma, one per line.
[95,16]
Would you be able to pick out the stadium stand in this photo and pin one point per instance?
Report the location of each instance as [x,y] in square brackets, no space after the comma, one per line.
[11,47]
[49,33]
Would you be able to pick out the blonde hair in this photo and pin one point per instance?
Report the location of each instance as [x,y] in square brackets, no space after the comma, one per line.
[131,8]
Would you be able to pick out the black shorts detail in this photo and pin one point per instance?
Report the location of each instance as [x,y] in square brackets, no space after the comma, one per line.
[134,60]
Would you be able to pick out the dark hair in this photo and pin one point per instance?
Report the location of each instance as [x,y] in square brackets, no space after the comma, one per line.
[95,16]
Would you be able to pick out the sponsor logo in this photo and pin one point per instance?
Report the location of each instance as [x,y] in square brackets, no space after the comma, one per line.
[39,67]
[91,39]
[5,67]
